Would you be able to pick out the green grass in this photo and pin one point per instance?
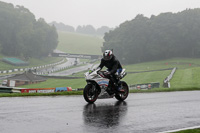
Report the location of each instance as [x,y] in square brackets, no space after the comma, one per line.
[146,77]
[137,78]
[181,63]
[186,77]
[189,131]
[53,83]
[79,43]
[165,90]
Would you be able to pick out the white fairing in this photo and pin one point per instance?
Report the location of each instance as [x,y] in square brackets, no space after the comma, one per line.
[97,78]
[102,82]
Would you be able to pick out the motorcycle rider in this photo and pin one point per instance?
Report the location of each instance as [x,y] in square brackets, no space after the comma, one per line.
[113,65]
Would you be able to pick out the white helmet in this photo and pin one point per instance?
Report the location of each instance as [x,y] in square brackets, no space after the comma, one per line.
[107,55]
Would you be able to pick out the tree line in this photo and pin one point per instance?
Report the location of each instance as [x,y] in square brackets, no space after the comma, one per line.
[167,35]
[85,29]
[22,35]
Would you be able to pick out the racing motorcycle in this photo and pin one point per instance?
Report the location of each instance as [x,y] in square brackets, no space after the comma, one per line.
[101,87]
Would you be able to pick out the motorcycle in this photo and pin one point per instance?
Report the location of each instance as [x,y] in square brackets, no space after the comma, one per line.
[101,87]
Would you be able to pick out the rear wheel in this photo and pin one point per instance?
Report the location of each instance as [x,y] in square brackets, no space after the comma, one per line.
[121,96]
[90,93]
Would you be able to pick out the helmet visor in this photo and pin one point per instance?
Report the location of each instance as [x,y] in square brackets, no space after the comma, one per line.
[107,57]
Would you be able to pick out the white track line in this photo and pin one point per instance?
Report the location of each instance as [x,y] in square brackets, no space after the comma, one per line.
[170,131]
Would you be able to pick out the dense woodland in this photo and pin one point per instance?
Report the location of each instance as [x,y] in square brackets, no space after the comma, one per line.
[159,37]
[22,35]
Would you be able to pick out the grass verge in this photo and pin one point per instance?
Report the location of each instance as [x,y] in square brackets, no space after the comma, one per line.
[164,90]
[53,83]
[190,131]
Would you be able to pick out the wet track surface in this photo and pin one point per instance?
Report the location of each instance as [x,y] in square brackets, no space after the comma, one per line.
[148,112]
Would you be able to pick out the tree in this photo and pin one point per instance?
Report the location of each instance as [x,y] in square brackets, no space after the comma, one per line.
[88,29]
[102,30]
[159,37]
[22,35]
[63,27]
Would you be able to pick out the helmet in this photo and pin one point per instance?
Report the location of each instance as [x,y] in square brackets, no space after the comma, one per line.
[107,55]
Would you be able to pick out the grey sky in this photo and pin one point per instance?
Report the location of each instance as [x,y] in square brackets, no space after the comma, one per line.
[101,12]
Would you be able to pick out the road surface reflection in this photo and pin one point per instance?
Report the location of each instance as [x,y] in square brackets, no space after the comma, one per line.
[104,116]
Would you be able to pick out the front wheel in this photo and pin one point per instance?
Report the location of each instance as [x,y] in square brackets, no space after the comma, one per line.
[90,93]
[122,96]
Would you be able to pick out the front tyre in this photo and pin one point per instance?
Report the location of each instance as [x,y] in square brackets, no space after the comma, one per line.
[90,93]
[122,96]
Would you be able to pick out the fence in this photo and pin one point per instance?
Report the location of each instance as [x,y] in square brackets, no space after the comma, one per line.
[166,82]
[34,68]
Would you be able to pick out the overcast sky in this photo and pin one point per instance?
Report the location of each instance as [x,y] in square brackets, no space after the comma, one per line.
[101,12]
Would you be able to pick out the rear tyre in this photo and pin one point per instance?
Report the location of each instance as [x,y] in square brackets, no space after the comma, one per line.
[121,96]
[90,93]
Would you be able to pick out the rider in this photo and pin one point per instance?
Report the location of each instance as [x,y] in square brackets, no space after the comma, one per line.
[113,65]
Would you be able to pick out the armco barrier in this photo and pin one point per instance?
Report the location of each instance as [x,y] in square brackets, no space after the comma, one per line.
[60,89]
[166,82]
[46,91]
[28,90]
[9,90]
[38,90]
[145,86]
[69,88]
[33,90]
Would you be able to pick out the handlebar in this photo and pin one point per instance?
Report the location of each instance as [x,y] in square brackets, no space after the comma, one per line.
[102,74]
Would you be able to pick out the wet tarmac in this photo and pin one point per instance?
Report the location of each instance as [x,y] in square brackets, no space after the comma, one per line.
[139,113]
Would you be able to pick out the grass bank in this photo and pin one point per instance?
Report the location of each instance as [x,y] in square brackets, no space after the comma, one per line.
[53,83]
[186,77]
[79,43]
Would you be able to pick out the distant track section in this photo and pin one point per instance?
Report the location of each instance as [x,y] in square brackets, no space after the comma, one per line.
[83,56]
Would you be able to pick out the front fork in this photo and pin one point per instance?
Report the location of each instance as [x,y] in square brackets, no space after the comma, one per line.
[95,87]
